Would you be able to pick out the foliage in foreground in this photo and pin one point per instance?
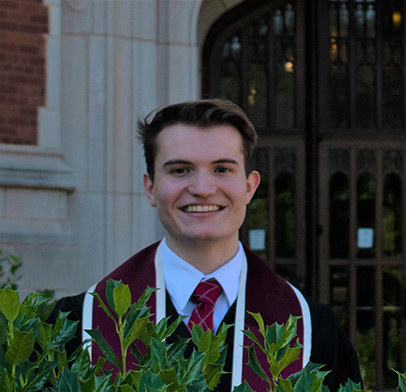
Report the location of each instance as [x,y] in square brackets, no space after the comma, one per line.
[33,355]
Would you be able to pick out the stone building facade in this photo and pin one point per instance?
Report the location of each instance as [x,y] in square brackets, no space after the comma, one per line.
[75,77]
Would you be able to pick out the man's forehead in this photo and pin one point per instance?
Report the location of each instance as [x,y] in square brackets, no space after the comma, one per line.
[185,140]
[192,131]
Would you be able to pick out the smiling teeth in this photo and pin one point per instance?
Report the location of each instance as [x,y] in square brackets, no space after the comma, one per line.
[200,208]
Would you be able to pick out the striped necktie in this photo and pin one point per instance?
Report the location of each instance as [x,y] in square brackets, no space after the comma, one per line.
[205,296]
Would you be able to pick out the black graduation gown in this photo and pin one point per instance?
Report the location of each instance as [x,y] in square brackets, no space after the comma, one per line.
[330,345]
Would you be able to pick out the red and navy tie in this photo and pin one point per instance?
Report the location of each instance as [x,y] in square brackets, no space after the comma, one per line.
[205,296]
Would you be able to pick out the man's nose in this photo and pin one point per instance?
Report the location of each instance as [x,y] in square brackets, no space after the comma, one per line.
[202,184]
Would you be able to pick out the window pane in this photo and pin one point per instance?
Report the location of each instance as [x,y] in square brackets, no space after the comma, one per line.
[392,96]
[257,95]
[366,323]
[366,193]
[339,216]
[343,20]
[339,94]
[339,87]
[365,88]
[392,216]
[339,294]
[392,323]
[285,95]
[258,209]
[285,216]
[392,20]
[231,70]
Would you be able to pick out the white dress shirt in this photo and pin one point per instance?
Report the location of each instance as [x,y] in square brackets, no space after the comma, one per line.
[181,278]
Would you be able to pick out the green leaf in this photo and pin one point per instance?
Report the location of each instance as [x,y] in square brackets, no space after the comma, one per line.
[125,388]
[66,332]
[9,304]
[163,331]
[61,357]
[291,355]
[310,381]
[21,347]
[197,333]
[351,386]
[102,384]
[273,335]
[136,377]
[82,364]
[210,345]
[169,377]
[401,381]
[88,385]
[222,332]
[97,369]
[159,354]
[142,301]
[244,387]
[104,347]
[288,332]
[258,318]
[95,383]
[42,374]
[284,386]
[137,331]
[176,350]
[193,369]
[131,318]
[6,381]
[69,382]
[59,322]
[250,335]
[121,299]
[213,372]
[149,379]
[110,286]
[44,334]
[104,307]
[310,368]
[255,365]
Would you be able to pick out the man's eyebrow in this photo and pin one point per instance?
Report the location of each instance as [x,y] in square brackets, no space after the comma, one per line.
[176,162]
[186,162]
[226,160]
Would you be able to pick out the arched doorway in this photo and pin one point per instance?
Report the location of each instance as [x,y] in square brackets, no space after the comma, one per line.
[324,84]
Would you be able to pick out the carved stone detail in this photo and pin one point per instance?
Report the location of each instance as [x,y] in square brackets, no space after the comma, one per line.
[284,160]
[339,160]
[393,161]
[366,161]
[79,5]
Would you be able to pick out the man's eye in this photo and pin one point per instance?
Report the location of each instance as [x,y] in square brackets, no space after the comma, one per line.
[223,170]
[179,170]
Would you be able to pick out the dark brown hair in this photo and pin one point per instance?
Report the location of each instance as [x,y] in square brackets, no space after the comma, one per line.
[202,114]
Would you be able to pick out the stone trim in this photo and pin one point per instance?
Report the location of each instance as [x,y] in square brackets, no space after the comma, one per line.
[31,167]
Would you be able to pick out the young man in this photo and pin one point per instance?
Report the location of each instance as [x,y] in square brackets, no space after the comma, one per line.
[200,179]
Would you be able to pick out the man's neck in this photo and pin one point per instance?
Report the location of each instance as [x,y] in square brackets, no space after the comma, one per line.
[205,256]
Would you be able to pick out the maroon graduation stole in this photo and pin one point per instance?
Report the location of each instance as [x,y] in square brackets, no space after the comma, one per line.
[270,295]
[266,293]
[139,273]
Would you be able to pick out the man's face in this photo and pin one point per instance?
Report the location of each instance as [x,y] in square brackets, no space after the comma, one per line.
[200,186]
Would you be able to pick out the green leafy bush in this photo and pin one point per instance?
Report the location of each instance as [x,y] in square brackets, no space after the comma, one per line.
[9,267]
[33,355]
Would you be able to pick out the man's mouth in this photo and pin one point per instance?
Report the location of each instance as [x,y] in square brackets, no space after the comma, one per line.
[202,208]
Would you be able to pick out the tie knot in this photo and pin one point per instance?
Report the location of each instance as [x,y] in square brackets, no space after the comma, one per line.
[207,291]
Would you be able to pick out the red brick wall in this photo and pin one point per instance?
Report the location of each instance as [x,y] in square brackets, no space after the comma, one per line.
[23,24]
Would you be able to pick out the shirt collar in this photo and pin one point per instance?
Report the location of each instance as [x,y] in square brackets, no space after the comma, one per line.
[181,278]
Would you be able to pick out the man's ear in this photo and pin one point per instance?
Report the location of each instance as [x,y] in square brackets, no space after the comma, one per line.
[253,180]
[149,189]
